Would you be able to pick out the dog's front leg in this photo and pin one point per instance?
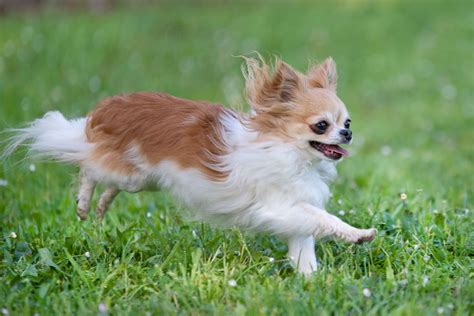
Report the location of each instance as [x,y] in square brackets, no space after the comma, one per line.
[305,223]
[326,224]
[301,252]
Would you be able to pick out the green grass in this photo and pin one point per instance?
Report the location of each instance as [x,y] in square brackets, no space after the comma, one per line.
[406,75]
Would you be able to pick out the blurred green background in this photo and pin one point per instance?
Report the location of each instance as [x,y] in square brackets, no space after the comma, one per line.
[406,74]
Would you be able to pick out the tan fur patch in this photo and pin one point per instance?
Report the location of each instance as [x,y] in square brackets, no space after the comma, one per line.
[161,127]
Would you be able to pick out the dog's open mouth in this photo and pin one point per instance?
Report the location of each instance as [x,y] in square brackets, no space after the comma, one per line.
[334,152]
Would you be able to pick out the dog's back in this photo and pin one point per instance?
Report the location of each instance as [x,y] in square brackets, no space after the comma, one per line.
[152,127]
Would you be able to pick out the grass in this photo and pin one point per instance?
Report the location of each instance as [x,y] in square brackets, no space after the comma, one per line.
[406,76]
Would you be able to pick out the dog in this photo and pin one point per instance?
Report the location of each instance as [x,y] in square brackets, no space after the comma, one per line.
[267,170]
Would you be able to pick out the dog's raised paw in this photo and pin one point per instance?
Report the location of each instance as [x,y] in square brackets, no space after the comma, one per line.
[367,237]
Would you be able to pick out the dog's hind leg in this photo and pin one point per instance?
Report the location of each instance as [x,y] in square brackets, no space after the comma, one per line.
[104,201]
[84,196]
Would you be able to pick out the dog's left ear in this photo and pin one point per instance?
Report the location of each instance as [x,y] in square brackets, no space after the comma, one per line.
[271,91]
[323,75]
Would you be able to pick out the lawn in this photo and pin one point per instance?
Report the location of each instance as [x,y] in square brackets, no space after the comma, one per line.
[406,73]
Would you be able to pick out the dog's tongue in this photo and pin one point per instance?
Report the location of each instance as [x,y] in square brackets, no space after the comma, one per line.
[337,149]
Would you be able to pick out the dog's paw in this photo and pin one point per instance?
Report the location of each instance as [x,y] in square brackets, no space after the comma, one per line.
[366,235]
[82,214]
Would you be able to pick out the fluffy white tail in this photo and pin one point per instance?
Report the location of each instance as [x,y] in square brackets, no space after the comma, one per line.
[52,136]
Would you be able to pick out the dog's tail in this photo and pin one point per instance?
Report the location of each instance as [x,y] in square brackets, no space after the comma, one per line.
[53,137]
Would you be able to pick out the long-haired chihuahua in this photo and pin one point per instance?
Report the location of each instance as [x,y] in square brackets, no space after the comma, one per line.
[267,170]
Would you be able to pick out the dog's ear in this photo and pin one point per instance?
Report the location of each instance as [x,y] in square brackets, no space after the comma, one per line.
[271,92]
[323,75]
[285,83]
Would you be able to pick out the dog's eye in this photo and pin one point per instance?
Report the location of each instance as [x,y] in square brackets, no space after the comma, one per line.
[320,127]
[347,124]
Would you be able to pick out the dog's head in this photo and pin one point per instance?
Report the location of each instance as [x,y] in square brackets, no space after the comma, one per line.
[299,108]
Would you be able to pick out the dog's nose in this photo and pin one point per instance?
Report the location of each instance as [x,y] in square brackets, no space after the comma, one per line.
[347,133]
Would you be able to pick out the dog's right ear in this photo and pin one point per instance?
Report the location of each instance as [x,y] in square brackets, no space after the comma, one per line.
[271,91]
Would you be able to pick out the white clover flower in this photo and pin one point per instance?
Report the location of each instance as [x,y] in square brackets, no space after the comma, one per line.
[440,310]
[416,247]
[87,254]
[32,167]
[12,235]
[339,202]
[450,306]
[366,292]
[403,196]
[232,283]
[426,258]
[425,280]
[102,308]
[271,259]
[5,311]
[148,214]
[342,212]
[3,183]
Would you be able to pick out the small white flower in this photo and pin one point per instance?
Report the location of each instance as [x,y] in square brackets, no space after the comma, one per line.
[12,235]
[339,202]
[450,306]
[351,211]
[102,308]
[148,214]
[440,310]
[3,183]
[232,283]
[162,216]
[416,247]
[366,292]
[87,254]
[425,280]
[271,259]
[426,258]
[5,311]
[32,167]
[403,196]
[342,212]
